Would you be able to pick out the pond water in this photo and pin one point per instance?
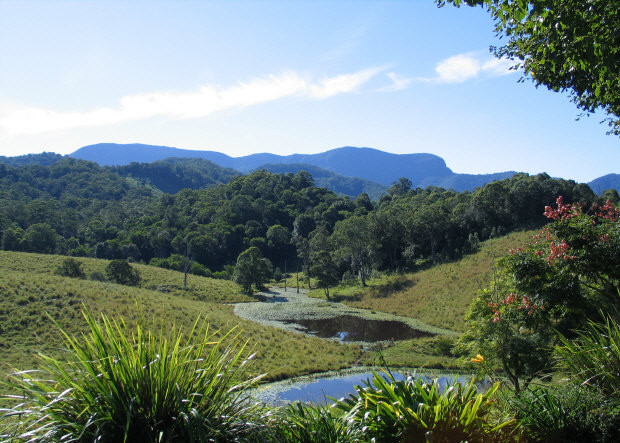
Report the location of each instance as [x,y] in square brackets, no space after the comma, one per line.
[317,390]
[348,328]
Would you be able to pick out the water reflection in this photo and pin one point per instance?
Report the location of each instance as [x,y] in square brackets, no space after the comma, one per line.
[348,328]
[319,389]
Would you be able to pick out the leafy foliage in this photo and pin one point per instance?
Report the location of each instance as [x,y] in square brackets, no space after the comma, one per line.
[566,45]
[307,423]
[566,413]
[414,410]
[121,272]
[567,273]
[139,387]
[71,267]
[592,358]
[252,269]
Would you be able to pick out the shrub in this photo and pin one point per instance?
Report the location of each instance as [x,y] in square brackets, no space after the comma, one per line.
[121,272]
[593,357]
[566,413]
[71,267]
[137,387]
[307,423]
[412,410]
[96,276]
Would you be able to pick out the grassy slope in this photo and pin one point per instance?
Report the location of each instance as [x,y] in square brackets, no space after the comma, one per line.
[439,296]
[29,289]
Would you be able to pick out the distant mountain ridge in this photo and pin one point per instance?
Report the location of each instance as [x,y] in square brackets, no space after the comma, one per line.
[366,163]
[609,181]
[351,186]
[193,174]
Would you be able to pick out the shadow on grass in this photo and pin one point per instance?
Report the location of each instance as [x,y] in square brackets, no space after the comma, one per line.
[393,285]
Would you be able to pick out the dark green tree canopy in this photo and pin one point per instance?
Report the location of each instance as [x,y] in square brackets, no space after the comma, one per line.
[566,45]
[252,269]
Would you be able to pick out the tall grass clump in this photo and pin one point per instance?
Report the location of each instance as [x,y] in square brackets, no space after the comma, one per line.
[413,410]
[593,357]
[310,423]
[138,387]
[565,413]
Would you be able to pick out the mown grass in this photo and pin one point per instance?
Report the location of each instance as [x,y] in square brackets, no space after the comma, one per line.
[31,295]
[439,296]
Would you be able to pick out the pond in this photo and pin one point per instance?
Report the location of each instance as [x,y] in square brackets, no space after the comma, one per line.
[348,328]
[302,314]
[317,389]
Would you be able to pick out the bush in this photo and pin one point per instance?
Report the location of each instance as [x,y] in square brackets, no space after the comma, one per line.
[71,267]
[121,272]
[136,387]
[303,423]
[96,276]
[412,410]
[593,357]
[566,413]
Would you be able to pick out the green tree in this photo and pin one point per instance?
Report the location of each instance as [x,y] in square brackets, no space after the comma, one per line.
[39,237]
[565,45]
[71,267]
[252,269]
[322,264]
[356,244]
[509,330]
[324,269]
[568,273]
[121,272]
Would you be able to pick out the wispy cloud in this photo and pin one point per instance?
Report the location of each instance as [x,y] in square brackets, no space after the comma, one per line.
[203,102]
[342,84]
[463,67]
[398,82]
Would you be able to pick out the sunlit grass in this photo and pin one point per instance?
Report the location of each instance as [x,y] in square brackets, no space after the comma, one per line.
[439,296]
[29,289]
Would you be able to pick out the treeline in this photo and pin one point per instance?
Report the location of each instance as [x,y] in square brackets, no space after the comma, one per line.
[77,208]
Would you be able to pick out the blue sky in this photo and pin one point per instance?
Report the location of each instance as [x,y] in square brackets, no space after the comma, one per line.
[283,77]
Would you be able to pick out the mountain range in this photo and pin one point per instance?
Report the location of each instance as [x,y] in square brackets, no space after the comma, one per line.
[368,164]
[346,171]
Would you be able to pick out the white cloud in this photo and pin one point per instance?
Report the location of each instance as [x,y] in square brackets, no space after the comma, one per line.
[498,66]
[463,67]
[208,99]
[457,69]
[398,82]
[342,84]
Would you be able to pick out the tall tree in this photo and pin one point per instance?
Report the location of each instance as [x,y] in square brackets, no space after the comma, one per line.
[566,45]
[252,269]
[356,243]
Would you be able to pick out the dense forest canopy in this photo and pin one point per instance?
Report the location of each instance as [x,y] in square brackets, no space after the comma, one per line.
[78,208]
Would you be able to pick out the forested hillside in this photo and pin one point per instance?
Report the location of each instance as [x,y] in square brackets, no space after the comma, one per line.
[78,208]
[173,174]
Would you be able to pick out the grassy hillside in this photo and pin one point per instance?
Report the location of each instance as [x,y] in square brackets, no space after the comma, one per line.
[29,290]
[438,296]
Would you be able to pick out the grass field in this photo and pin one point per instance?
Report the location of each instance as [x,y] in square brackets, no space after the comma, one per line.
[32,297]
[439,296]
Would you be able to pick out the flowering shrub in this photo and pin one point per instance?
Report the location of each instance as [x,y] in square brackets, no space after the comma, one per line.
[569,271]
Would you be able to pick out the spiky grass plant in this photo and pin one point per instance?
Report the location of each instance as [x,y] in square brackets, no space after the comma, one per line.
[566,413]
[310,423]
[593,357]
[414,410]
[138,387]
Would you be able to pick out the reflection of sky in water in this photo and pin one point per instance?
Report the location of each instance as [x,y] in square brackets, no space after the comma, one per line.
[349,328]
[342,335]
[318,390]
